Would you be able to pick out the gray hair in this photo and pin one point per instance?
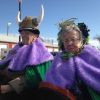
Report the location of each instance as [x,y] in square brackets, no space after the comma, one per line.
[67,26]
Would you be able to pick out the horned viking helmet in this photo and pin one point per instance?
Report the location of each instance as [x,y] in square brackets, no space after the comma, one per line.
[29,22]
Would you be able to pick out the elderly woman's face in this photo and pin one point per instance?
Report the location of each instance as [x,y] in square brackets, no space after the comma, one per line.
[27,37]
[72,41]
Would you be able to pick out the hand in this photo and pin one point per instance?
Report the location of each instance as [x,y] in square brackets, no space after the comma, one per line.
[6,88]
[18,84]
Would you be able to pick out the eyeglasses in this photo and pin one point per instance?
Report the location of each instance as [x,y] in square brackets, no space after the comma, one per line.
[73,40]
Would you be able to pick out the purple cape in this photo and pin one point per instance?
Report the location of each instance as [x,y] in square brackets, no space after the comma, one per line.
[21,56]
[86,66]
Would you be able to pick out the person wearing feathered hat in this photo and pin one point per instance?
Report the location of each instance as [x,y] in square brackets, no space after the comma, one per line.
[26,64]
[75,72]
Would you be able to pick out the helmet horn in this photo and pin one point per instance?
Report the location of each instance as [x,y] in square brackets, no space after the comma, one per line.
[40,18]
[18,18]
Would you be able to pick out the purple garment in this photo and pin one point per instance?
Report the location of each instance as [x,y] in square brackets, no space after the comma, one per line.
[21,56]
[86,66]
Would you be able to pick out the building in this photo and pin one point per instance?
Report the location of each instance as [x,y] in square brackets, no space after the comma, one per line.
[8,41]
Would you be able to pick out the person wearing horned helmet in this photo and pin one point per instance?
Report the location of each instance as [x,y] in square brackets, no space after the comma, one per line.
[26,64]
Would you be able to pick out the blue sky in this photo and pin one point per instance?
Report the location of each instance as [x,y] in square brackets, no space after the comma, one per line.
[87,11]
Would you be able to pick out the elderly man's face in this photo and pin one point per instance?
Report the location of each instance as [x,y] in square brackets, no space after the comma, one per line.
[28,37]
[72,41]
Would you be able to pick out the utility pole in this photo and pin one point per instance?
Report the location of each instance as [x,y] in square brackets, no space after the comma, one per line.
[8,25]
[20,3]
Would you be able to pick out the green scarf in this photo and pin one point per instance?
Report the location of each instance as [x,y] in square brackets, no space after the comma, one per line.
[66,55]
